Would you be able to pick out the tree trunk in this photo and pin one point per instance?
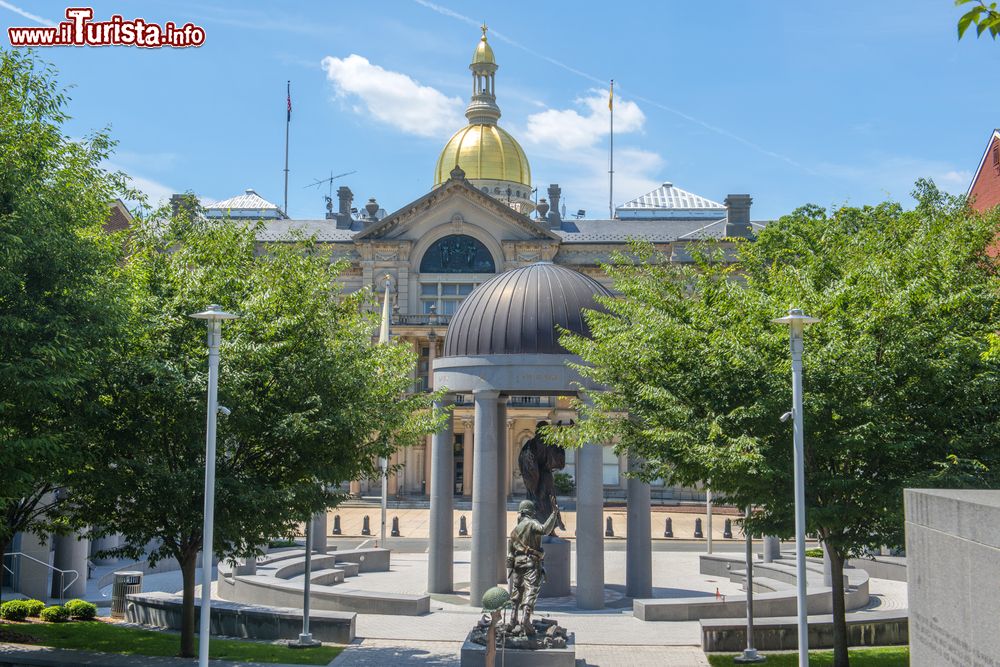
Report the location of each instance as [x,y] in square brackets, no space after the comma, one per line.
[3,549]
[189,565]
[840,657]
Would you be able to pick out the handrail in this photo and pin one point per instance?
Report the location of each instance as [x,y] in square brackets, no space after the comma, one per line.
[62,573]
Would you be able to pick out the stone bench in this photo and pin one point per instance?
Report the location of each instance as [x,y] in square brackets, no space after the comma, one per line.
[249,621]
[866,628]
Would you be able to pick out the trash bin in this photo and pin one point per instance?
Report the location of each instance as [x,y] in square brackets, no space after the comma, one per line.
[126,583]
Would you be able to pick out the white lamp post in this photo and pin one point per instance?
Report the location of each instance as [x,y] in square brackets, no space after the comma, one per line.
[750,655]
[383,337]
[797,322]
[214,316]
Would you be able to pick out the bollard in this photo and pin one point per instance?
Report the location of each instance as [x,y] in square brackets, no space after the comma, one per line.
[697,529]
[609,530]
[668,528]
[336,524]
[366,528]
[727,532]
[463,528]
[395,526]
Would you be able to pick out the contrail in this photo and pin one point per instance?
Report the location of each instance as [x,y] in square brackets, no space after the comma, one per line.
[28,15]
[445,11]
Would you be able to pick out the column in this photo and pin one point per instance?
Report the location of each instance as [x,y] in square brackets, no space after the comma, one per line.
[638,540]
[484,497]
[468,451]
[32,577]
[772,548]
[70,554]
[503,474]
[319,531]
[105,543]
[355,488]
[393,484]
[589,531]
[511,456]
[441,546]
[427,465]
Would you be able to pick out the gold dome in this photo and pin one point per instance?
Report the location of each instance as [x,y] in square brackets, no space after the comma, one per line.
[484,152]
[484,52]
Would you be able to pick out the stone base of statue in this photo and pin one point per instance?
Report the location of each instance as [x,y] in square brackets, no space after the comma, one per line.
[551,646]
[557,567]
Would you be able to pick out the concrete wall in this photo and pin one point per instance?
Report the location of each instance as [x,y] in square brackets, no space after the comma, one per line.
[780,634]
[953,567]
[163,610]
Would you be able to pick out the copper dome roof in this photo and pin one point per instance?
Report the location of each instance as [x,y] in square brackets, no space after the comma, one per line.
[518,312]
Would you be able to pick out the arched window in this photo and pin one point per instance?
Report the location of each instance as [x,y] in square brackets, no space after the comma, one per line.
[457,253]
[450,269]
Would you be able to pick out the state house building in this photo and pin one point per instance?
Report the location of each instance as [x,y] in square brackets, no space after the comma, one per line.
[479,219]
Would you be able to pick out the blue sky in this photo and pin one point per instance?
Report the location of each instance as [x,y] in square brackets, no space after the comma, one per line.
[792,102]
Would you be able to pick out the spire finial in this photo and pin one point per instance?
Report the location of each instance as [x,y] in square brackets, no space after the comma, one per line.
[484,28]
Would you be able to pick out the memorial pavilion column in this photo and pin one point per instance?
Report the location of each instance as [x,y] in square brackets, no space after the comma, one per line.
[589,531]
[440,549]
[468,455]
[484,496]
[503,473]
[511,457]
[638,540]
[70,553]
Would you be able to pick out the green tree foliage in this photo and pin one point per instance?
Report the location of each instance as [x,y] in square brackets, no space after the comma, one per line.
[55,301]
[314,400]
[898,390]
[984,17]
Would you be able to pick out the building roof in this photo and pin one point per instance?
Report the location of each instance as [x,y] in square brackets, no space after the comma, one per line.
[982,162]
[521,312]
[285,230]
[621,231]
[248,203]
[669,198]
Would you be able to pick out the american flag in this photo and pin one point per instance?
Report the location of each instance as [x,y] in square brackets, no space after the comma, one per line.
[289,101]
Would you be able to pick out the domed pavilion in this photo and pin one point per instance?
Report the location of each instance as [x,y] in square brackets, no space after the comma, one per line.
[504,341]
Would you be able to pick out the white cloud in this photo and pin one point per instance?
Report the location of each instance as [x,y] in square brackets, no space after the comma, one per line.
[26,14]
[568,129]
[393,98]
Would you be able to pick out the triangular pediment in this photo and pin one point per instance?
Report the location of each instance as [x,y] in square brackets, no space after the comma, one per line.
[444,198]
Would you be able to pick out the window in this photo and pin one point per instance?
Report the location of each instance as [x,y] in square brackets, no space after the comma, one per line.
[457,253]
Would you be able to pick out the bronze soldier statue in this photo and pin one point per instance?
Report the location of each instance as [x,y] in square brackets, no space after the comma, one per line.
[525,571]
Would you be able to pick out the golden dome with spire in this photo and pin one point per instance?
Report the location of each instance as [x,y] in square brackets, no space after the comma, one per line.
[490,157]
[484,52]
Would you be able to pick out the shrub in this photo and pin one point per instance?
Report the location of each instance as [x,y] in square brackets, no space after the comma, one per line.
[14,610]
[81,610]
[54,614]
[563,483]
[34,607]
[814,553]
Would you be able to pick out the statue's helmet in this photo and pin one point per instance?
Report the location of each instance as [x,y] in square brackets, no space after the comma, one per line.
[495,599]
[526,507]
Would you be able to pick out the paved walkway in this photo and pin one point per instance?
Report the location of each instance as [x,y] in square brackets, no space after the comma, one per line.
[43,656]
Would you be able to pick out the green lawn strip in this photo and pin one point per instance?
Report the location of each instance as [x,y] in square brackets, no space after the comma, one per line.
[887,656]
[110,638]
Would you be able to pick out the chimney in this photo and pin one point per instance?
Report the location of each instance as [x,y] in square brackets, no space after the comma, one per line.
[738,216]
[344,198]
[186,203]
[555,192]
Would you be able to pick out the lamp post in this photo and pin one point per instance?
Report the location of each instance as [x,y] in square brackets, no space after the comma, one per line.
[797,321]
[305,637]
[750,655]
[383,337]
[213,315]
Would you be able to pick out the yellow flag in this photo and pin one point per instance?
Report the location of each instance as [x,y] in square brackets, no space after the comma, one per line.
[611,95]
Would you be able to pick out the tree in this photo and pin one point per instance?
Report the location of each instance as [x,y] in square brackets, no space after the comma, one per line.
[55,300]
[898,390]
[984,17]
[314,401]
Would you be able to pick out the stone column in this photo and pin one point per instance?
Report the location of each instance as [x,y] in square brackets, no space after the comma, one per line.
[468,453]
[511,456]
[638,540]
[393,483]
[484,497]
[589,531]
[503,473]
[319,530]
[427,465]
[441,546]
[70,554]
[105,543]
[355,488]
[33,577]
[772,548]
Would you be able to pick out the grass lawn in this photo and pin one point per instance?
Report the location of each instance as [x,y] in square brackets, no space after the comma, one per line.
[887,656]
[113,638]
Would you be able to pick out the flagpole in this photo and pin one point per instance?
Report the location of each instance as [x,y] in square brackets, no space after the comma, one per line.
[288,122]
[383,337]
[611,157]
